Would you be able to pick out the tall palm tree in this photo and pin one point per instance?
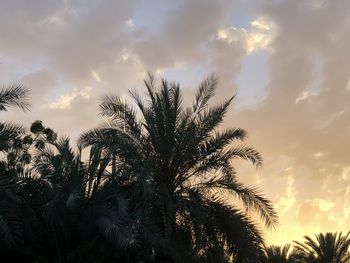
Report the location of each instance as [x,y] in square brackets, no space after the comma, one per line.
[179,168]
[326,248]
[10,206]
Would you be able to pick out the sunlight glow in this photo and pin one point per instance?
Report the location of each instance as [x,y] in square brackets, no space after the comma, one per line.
[258,37]
[65,101]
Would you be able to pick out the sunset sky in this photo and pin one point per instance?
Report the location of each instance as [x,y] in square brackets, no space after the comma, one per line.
[288,61]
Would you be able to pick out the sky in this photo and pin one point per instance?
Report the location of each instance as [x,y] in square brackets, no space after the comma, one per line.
[286,60]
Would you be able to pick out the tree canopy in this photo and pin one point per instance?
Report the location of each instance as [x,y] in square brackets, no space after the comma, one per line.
[158,185]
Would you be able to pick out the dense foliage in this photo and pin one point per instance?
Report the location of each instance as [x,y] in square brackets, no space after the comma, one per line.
[155,184]
[324,248]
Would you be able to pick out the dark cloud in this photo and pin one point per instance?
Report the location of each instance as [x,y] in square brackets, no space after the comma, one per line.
[186,30]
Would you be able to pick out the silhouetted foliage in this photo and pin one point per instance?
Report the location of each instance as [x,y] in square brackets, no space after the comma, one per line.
[14,95]
[277,254]
[328,247]
[180,172]
[156,184]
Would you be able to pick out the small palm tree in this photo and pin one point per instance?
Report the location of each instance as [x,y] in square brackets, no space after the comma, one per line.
[326,248]
[179,167]
[277,254]
[15,95]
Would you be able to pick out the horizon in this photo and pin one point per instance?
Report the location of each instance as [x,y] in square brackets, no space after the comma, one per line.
[286,60]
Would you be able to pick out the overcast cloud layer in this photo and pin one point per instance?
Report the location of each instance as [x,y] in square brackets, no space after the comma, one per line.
[288,62]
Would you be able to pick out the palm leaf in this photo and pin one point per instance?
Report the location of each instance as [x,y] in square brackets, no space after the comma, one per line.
[14,95]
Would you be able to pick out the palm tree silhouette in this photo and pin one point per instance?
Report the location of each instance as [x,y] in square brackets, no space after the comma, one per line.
[183,181]
[281,254]
[10,206]
[329,247]
[14,95]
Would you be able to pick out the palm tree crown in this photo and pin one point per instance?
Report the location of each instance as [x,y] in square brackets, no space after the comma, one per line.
[328,247]
[180,166]
[278,254]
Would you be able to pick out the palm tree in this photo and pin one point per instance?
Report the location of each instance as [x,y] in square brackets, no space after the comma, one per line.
[327,248]
[11,213]
[62,209]
[14,95]
[178,167]
[277,254]
[77,214]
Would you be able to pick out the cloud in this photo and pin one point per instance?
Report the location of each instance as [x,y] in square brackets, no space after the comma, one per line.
[287,202]
[324,205]
[183,35]
[258,37]
[304,95]
[305,115]
[301,124]
[95,75]
[65,101]
[130,23]
[345,174]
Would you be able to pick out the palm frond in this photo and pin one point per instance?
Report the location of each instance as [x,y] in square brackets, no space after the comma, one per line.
[9,132]
[328,247]
[14,95]
[204,93]
[246,153]
[121,113]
